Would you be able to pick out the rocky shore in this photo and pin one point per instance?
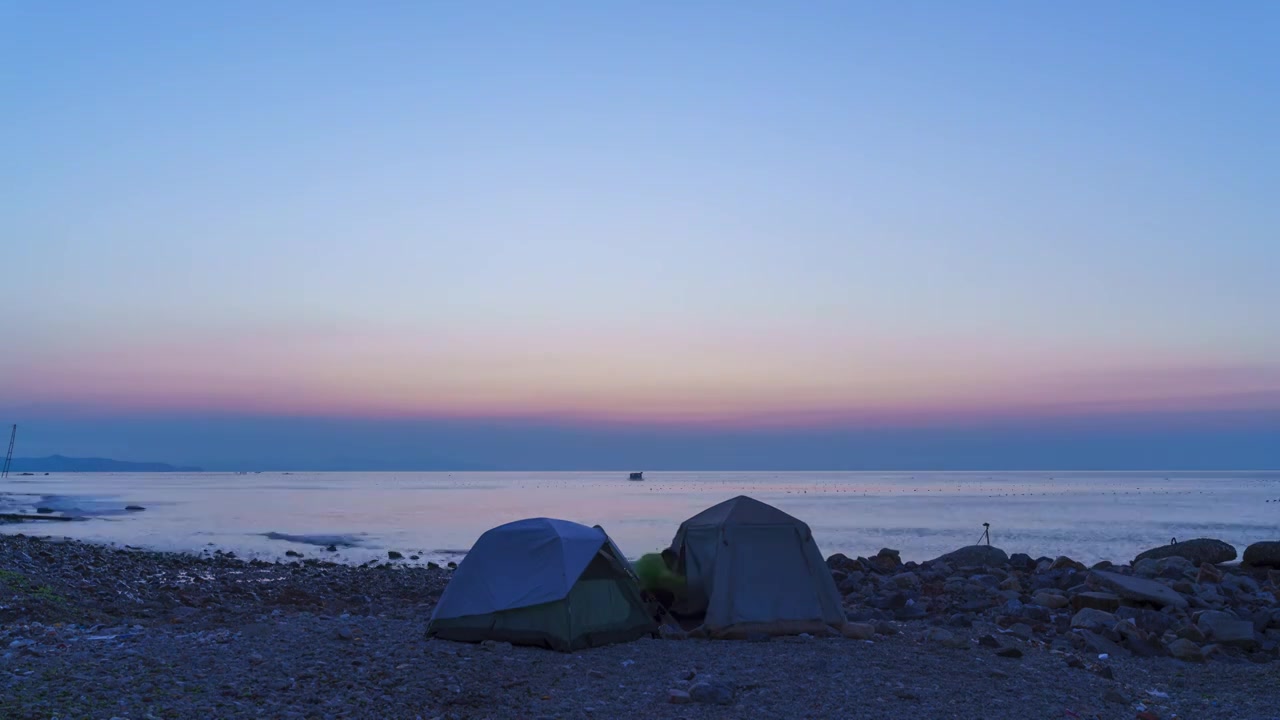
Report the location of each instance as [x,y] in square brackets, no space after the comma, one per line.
[99,632]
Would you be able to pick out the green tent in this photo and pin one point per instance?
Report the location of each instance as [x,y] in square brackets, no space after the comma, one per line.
[550,583]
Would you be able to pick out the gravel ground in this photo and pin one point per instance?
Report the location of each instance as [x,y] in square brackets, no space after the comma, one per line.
[93,632]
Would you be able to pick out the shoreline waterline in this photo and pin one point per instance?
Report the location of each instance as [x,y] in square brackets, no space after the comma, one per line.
[1090,516]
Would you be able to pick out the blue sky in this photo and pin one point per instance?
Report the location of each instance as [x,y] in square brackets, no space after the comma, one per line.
[792,219]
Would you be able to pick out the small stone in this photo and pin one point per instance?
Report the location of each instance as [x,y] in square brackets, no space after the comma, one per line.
[1022,630]
[858,631]
[393,555]
[711,693]
[1115,697]
[332,548]
[1051,600]
[910,612]
[989,641]
[886,628]
[344,633]
[669,632]
[944,637]
[678,697]
[595,674]
[1009,652]
[185,612]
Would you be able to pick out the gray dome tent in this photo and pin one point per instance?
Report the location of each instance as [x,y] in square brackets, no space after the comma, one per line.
[753,568]
[546,582]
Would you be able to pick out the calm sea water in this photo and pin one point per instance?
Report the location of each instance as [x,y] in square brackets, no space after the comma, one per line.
[1089,516]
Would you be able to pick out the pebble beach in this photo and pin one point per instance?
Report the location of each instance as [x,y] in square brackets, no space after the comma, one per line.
[92,631]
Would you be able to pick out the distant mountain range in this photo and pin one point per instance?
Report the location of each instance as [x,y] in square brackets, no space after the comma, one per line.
[61,463]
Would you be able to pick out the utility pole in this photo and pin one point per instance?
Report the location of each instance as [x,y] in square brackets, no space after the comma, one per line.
[8,458]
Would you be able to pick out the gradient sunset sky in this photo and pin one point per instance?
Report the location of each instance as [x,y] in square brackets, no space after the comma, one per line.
[466,225]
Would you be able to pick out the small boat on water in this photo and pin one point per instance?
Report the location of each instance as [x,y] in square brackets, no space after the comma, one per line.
[636,476]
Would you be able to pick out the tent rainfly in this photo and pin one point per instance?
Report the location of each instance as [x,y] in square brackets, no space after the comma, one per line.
[752,568]
[545,582]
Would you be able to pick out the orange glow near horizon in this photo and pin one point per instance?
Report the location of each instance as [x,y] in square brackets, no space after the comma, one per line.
[752,384]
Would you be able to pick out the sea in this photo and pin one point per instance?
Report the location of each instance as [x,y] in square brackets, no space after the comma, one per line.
[1089,516]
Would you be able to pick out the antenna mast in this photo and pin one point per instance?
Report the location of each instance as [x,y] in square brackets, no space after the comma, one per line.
[8,458]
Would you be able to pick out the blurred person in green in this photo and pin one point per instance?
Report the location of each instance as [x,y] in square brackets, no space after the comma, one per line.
[657,575]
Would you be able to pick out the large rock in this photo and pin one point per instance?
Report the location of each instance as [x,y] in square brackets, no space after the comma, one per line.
[1064,562]
[1174,566]
[1090,619]
[858,631]
[1263,554]
[1240,584]
[945,638]
[886,561]
[1184,649]
[1051,600]
[975,556]
[1096,600]
[840,561]
[1147,568]
[1226,628]
[1209,573]
[1199,550]
[1152,621]
[1022,561]
[1132,588]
